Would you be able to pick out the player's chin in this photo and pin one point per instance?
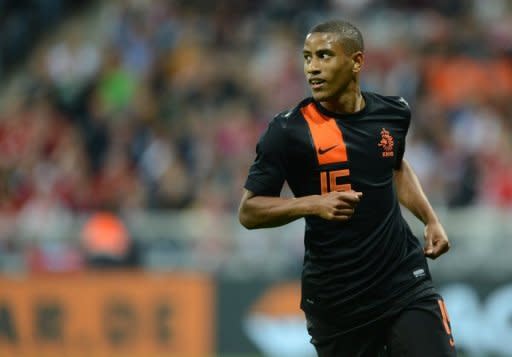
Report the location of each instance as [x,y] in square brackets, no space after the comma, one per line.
[321,96]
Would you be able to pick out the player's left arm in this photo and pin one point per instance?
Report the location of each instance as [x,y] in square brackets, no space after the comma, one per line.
[411,195]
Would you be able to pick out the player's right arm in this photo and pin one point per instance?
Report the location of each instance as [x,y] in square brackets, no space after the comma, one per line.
[267,211]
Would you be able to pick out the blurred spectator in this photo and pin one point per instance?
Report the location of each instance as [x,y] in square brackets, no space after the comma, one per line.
[23,22]
[106,241]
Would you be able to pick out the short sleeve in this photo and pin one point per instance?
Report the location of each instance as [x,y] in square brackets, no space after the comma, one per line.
[267,174]
[401,142]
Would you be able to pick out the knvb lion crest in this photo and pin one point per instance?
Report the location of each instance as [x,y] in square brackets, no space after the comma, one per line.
[386,143]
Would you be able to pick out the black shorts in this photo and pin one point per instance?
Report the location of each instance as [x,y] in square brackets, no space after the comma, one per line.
[420,330]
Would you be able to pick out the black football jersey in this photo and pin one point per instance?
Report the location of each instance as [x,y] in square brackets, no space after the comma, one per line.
[370,266]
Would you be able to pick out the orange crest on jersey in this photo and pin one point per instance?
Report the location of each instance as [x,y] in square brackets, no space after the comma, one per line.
[386,143]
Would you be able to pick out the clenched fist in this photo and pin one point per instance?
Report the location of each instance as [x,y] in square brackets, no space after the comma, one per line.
[337,206]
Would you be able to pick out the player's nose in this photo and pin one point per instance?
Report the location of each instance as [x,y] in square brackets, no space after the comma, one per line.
[312,67]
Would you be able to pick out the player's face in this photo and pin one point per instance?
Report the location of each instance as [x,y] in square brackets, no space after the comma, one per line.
[328,70]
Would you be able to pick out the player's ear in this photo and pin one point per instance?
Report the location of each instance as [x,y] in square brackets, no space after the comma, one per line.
[357,60]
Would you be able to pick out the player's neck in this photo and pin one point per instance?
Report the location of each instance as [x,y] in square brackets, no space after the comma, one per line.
[350,101]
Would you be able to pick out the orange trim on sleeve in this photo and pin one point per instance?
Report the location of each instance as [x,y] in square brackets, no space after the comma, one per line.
[327,137]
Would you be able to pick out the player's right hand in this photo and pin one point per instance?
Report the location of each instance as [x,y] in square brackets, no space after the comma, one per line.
[338,206]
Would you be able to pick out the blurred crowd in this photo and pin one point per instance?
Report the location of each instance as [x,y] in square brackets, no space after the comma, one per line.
[162,110]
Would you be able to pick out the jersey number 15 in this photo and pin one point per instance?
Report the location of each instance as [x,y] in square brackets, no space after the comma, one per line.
[329,181]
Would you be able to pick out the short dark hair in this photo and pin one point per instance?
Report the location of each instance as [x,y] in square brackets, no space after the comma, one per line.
[350,35]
